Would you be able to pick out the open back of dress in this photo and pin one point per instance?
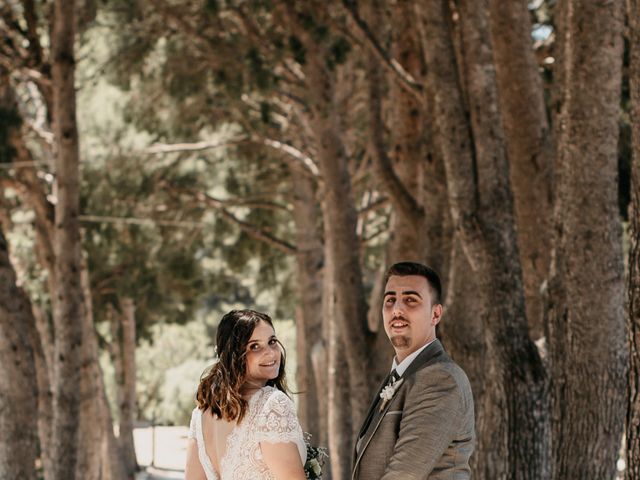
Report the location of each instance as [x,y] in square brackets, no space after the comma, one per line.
[230,451]
[215,433]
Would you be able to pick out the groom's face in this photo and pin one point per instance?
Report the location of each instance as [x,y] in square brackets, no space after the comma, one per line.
[409,316]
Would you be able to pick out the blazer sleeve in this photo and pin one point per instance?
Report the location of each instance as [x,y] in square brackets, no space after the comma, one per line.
[432,415]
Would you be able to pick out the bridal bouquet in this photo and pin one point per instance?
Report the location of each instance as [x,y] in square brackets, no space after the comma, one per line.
[315,460]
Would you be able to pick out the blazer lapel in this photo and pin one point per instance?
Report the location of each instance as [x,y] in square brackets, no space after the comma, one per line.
[373,427]
[427,356]
[372,407]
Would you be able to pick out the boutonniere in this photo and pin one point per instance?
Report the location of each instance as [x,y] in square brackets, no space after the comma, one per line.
[389,391]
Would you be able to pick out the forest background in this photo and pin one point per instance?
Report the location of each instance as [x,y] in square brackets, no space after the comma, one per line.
[162,161]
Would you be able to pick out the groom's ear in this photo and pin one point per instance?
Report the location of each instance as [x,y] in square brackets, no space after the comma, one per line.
[436,313]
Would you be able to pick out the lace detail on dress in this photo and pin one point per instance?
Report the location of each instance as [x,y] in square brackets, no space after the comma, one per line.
[268,409]
[271,417]
[277,421]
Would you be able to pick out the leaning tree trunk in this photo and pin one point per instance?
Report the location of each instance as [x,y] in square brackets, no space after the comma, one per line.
[98,454]
[482,210]
[632,471]
[529,146]
[68,308]
[97,450]
[39,332]
[309,264]
[586,292]
[402,183]
[18,387]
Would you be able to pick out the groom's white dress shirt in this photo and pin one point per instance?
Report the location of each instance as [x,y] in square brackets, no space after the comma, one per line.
[402,367]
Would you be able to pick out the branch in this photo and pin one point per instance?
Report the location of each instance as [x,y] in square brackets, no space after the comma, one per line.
[370,42]
[162,148]
[402,199]
[309,166]
[139,221]
[376,204]
[308,163]
[252,230]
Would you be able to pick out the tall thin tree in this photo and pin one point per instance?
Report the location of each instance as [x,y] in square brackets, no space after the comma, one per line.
[69,306]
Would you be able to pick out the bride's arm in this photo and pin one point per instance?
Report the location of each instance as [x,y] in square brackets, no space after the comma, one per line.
[279,433]
[193,470]
[283,460]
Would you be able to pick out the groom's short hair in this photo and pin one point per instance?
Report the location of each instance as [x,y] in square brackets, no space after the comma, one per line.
[404,269]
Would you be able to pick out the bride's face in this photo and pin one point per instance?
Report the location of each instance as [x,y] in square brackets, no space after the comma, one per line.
[263,355]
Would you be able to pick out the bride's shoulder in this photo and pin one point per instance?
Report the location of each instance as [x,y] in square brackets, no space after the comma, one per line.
[277,420]
[196,415]
[273,398]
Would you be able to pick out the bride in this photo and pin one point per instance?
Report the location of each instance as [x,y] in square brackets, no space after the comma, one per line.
[245,426]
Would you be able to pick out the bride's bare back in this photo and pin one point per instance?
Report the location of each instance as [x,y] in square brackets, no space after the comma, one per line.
[267,445]
[215,432]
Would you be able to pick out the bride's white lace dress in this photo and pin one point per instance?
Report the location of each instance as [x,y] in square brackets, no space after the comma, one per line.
[271,417]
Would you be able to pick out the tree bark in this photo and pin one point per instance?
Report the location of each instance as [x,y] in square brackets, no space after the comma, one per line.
[339,414]
[529,147]
[38,332]
[309,265]
[127,397]
[586,291]
[98,454]
[68,307]
[632,471]
[462,332]
[401,184]
[340,219]
[45,393]
[18,382]
[408,240]
[474,153]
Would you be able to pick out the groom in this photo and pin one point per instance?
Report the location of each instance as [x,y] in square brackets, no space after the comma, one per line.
[421,423]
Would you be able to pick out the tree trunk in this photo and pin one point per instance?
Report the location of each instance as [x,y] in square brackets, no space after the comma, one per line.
[529,146]
[68,307]
[402,183]
[98,454]
[45,394]
[127,397]
[39,331]
[309,264]
[476,166]
[339,415]
[18,385]
[633,410]
[586,290]
[340,220]
[34,195]
[463,333]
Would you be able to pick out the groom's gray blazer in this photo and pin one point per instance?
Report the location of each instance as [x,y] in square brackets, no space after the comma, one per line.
[426,431]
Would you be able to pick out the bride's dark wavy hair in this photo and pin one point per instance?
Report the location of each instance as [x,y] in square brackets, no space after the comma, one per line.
[219,388]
